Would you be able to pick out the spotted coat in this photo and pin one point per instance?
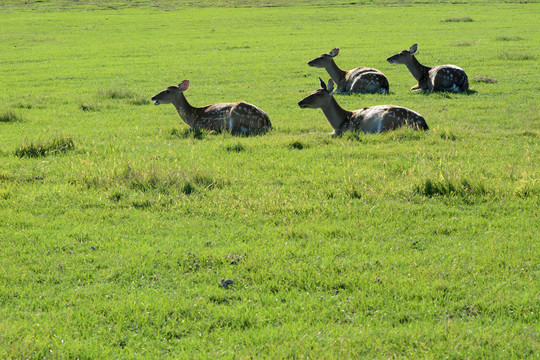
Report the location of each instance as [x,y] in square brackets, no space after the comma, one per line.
[437,78]
[381,118]
[372,119]
[359,80]
[238,117]
[363,80]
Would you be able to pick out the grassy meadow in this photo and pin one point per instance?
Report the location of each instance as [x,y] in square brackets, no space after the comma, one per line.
[118,222]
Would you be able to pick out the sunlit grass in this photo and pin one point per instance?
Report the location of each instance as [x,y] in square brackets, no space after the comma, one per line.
[34,149]
[118,222]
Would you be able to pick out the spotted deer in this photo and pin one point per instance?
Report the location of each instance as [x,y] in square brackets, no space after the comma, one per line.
[359,80]
[437,78]
[372,119]
[238,117]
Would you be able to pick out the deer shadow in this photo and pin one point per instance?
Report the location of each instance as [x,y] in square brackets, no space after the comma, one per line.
[201,134]
[447,94]
[189,133]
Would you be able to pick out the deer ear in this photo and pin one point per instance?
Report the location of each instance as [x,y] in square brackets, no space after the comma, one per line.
[330,86]
[323,85]
[183,86]
[413,48]
[334,52]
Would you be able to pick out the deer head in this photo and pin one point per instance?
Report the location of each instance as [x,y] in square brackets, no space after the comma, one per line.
[320,97]
[404,56]
[168,95]
[323,60]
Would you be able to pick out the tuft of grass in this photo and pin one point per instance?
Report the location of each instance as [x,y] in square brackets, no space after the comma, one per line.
[530,134]
[137,101]
[460,19]
[516,56]
[116,196]
[486,80]
[88,107]
[448,135]
[59,144]
[117,93]
[464,189]
[353,193]
[24,105]
[527,189]
[509,38]
[10,117]
[463,43]
[122,94]
[235,147]
[161,180]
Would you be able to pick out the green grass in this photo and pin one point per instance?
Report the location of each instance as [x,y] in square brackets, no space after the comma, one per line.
[9,116]
[459,19]
[59,144]
[117,221]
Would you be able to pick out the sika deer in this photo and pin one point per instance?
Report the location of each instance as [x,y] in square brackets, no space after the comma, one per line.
[359,80]
[239,117]
[373,119]
[438,78]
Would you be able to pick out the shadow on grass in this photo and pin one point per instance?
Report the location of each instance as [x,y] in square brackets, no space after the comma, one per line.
[189,133]
[446,94]
[296,145]
[401,133]
[200,134]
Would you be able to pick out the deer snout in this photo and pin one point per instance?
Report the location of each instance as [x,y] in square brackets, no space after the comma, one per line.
[302,104]
[154,98]
[390,60]
[316,63]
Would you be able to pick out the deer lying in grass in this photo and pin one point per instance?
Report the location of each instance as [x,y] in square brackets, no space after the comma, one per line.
[239,117]
[373,119]
[359,80]
[437,78]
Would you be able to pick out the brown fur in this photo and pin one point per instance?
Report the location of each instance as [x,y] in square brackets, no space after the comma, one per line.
[437,78]
[238,117]
[359,80]
[372,119]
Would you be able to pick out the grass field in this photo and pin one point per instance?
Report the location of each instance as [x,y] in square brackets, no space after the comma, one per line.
[117,222]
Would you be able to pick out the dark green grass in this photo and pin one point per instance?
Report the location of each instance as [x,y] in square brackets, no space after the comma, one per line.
[459,19]
[9,117]
[34,149]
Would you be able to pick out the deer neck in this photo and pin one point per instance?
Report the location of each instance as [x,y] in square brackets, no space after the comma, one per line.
[335,72]
[184,109]
[335,114]
[419,71]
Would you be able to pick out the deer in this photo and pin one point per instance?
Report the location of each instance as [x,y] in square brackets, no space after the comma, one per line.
[359,80]
[238,117]
[372,119]
[437,78]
